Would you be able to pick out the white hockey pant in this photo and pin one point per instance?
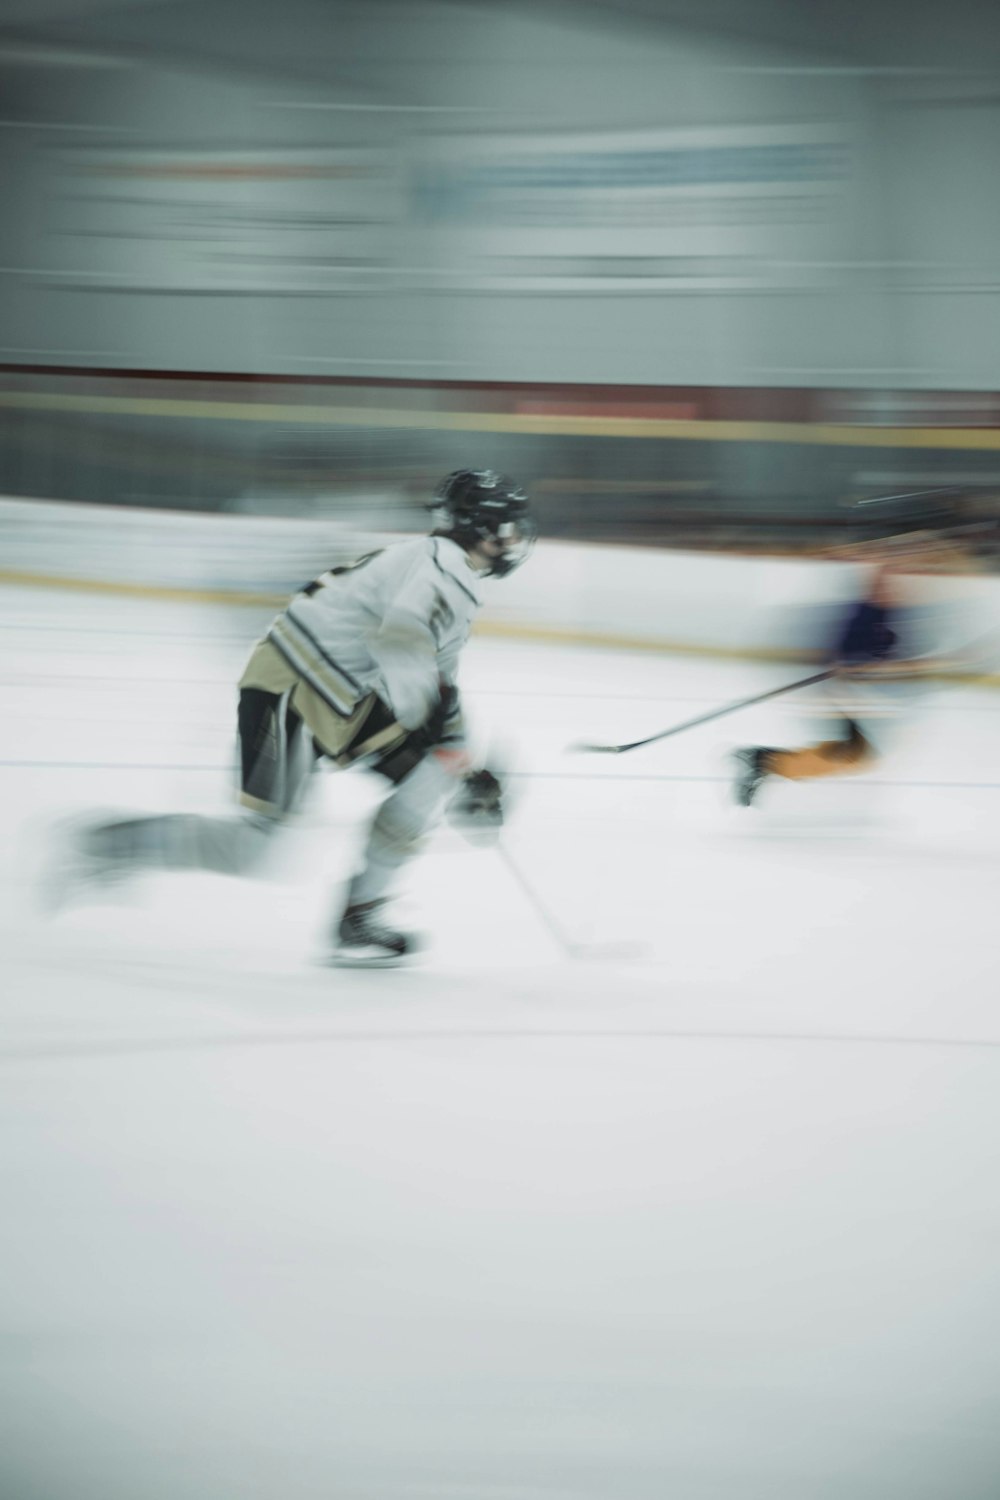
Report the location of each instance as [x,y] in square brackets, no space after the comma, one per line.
[276,756]
[184,841]
[399,828]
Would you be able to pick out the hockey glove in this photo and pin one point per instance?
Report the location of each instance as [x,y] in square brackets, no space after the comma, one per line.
[477,808]
[435,735]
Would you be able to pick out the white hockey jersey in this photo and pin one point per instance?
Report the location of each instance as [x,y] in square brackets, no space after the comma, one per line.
[393,623]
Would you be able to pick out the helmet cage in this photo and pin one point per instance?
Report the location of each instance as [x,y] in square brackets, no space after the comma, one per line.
[474,505]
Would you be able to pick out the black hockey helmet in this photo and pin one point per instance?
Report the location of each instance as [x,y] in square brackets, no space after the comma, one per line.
[473,504]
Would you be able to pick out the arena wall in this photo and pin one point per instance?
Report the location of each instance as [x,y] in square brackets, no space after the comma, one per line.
[642,598]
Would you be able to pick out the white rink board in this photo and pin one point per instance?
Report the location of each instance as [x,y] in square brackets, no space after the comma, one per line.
[644,596]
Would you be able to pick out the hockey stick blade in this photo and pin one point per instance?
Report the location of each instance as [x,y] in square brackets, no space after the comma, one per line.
[716,713]
[604,749]
[611,952]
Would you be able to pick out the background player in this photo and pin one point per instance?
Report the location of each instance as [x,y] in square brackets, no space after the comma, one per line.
[885,640]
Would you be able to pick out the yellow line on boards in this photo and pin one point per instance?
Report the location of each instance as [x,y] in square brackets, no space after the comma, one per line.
[139,590]
[500,629]
[557,635]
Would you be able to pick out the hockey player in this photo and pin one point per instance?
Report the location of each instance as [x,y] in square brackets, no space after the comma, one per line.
[360,668]
[880,647]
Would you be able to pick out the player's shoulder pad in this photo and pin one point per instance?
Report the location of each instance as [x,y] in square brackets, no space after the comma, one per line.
[452,560]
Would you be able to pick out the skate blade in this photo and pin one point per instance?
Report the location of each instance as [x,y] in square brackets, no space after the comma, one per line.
[341,960]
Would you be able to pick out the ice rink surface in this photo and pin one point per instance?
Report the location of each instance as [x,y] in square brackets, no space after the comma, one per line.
[718,1220]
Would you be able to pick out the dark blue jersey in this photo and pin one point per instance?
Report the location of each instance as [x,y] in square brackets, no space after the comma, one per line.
[866,635]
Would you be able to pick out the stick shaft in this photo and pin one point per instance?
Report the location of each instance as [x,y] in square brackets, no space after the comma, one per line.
[715,713]
[531,895]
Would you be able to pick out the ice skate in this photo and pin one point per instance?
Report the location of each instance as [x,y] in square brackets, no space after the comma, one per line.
[365,942]
[750,772]
[78,866]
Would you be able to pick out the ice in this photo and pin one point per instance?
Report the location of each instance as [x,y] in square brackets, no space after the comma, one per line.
[519,1222]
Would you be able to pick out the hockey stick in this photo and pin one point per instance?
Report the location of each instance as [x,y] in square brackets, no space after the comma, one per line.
[716,713]
[607,951]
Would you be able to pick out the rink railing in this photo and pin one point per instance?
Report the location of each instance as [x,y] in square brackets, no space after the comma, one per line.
[641,598]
